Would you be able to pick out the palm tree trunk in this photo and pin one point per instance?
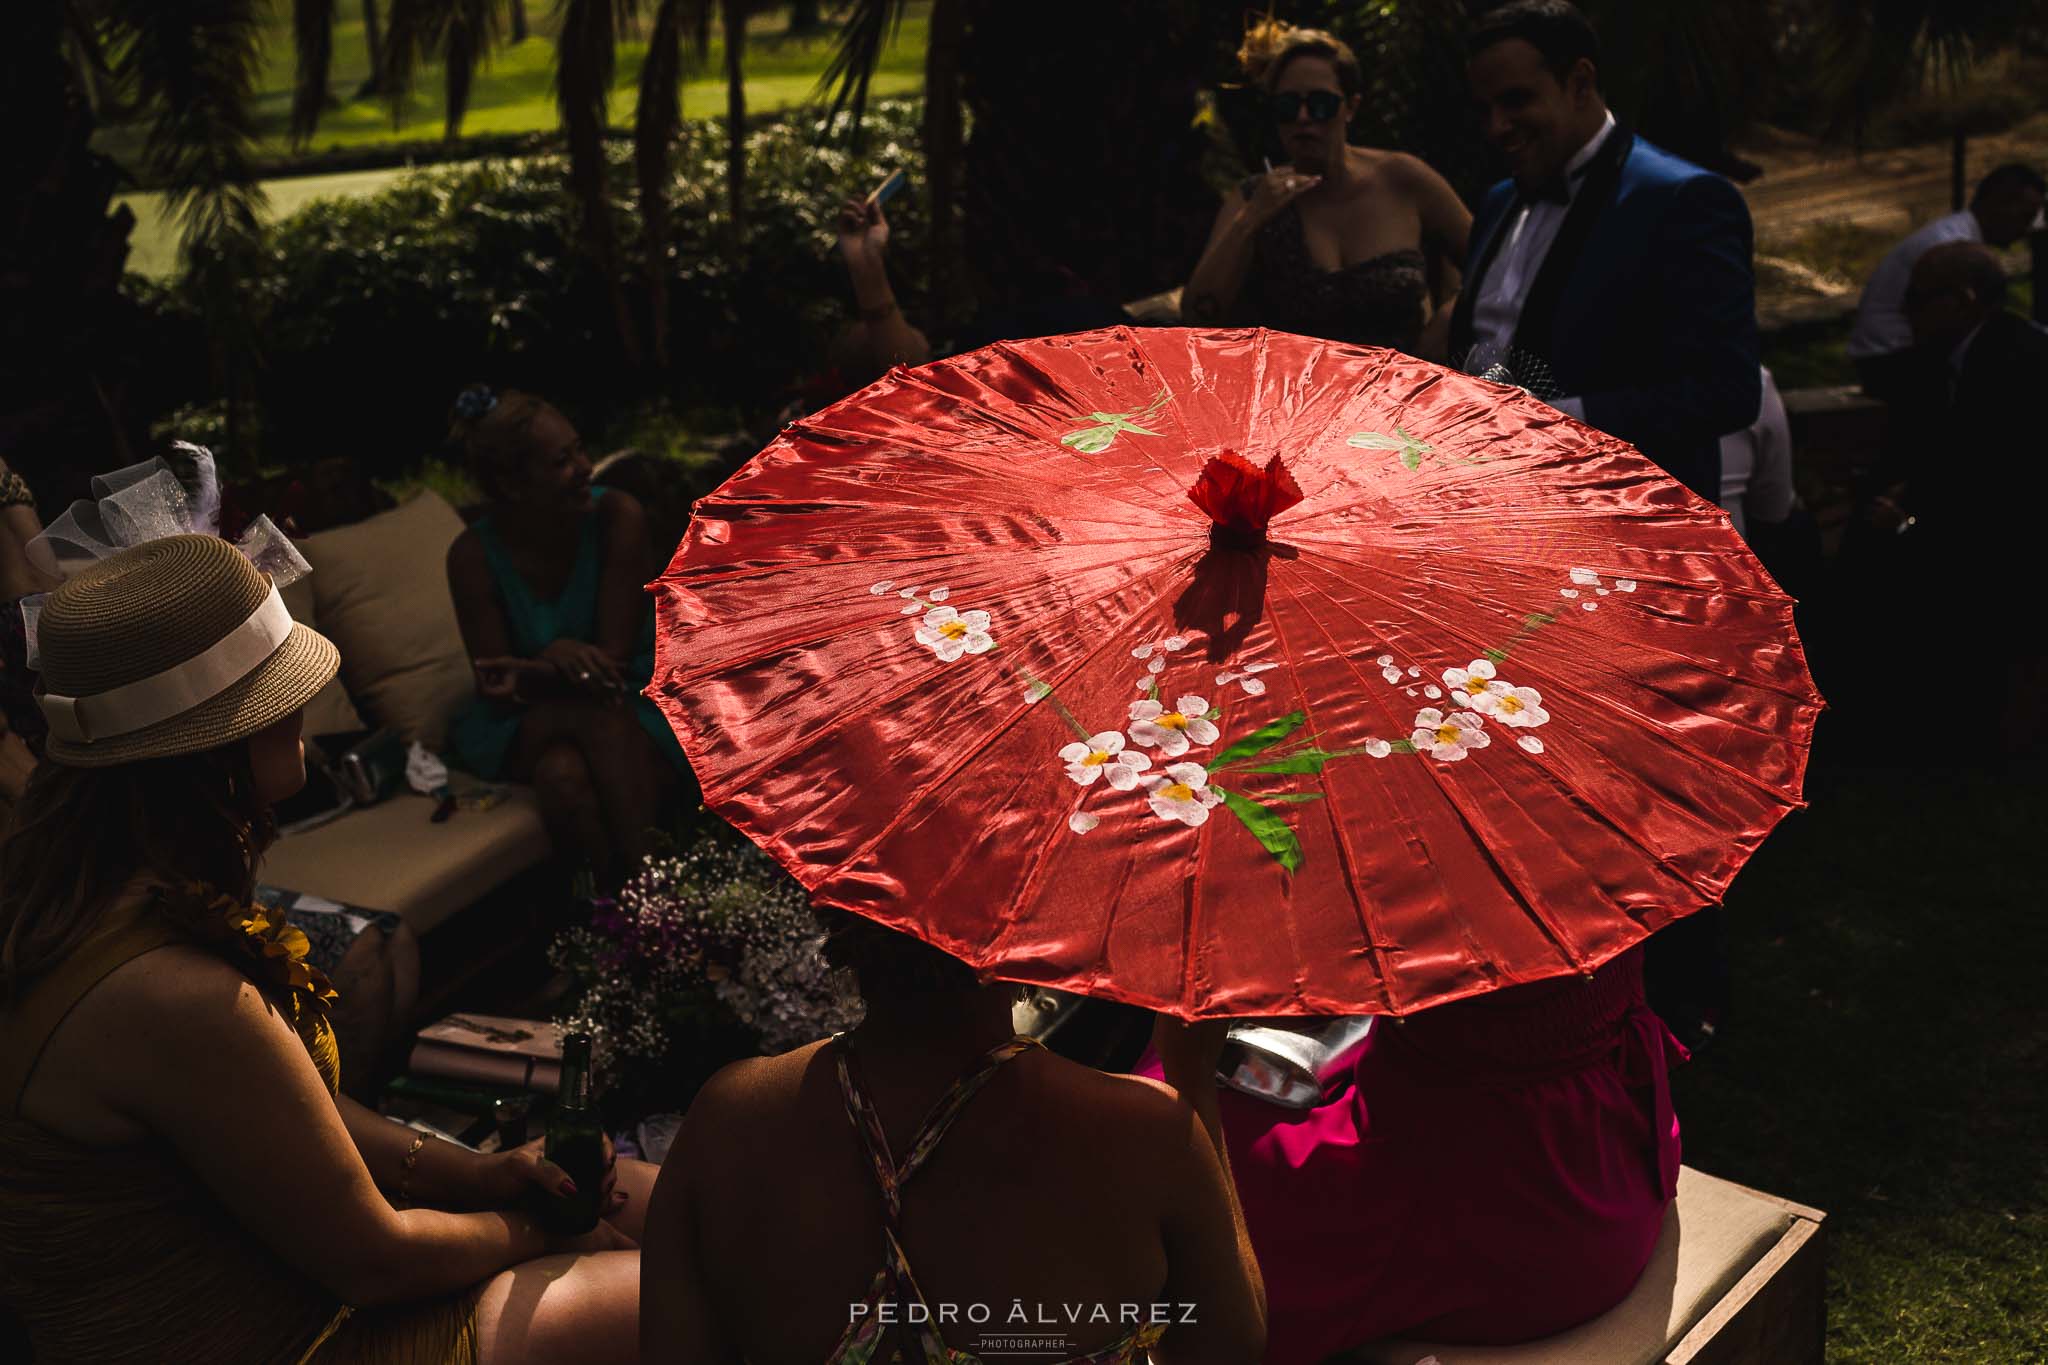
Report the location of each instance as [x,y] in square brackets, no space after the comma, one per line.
[948,26]
[1958,163]
[735,15]
[518,20]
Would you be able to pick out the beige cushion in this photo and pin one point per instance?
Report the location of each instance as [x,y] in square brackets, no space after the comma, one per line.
[1713,1233]
[391,856]
[330,713]
[380,592]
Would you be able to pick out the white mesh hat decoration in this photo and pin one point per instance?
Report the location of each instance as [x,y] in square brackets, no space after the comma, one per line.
[172,495]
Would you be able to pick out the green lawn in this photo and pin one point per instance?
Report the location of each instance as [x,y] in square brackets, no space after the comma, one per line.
[514,92]
[512,95]
[1887,1059]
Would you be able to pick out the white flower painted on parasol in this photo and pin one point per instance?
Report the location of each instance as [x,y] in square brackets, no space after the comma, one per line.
[1103,756]
[1170,732]
[1155,652]
[1448,739]
[1094,439]
[1477,679]
[951,633]
[1183,794]
[1521,707]
[1247,678]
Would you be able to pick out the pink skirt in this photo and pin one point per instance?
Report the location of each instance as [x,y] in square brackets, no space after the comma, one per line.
[1487,1172]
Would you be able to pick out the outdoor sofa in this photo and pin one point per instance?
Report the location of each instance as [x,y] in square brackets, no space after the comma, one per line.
[379,590]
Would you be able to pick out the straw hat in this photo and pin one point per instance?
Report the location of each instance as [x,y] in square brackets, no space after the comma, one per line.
[172,647]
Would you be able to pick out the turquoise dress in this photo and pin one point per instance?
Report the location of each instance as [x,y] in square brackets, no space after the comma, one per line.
[482,736]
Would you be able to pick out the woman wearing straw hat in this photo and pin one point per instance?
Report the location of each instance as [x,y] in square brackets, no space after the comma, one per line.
[179,1179]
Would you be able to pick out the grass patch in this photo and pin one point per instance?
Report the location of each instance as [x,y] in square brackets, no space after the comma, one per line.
[1811,356]
[514,92]
[1886,1060]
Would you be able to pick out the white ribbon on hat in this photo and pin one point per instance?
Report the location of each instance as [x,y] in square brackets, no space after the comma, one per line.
[149,701]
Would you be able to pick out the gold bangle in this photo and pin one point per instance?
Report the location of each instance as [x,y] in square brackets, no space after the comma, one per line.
[405,1168]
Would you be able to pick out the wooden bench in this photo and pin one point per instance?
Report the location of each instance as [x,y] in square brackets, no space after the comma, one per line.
[1738,1278]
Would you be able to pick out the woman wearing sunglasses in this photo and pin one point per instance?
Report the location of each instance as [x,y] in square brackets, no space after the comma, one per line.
[1341,242]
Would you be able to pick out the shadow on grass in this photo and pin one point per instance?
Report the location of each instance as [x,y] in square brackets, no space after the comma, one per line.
[1888,1060]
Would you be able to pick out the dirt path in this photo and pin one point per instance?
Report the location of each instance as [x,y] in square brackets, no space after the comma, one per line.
[1805,186]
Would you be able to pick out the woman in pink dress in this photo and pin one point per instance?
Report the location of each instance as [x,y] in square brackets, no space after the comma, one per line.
[1489,1171]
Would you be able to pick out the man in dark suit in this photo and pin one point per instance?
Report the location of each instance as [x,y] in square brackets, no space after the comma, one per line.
[1615,272]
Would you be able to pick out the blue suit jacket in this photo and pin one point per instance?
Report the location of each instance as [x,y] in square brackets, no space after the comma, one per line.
[1655,324]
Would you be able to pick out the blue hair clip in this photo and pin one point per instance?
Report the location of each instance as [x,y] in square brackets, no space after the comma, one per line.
[475,401]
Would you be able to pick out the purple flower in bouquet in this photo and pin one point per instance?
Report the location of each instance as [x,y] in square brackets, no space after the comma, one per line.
[715,927]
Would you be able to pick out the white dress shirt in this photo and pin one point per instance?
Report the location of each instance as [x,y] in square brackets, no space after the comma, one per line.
[1756,466]
[1530,230]
[1881,327]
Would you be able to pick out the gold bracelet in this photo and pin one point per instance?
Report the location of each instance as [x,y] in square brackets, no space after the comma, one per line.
[412,1159]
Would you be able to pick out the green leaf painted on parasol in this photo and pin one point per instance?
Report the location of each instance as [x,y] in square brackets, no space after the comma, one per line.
[1093,440]
[1412,449]
[1292,798]
[1260,740]
[1268,828]
[1531,623]
[1307,761]
[1403,746]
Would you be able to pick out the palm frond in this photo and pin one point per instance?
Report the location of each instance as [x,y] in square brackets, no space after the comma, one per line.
[413,35]
[1874,52]
[474,28]
[192,65]
[459,34]
[313,37]
[863,34]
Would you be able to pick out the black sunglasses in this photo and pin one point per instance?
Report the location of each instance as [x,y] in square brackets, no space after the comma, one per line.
[1322,105]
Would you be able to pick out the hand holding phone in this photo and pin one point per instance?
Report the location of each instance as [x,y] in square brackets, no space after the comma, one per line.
[882,193]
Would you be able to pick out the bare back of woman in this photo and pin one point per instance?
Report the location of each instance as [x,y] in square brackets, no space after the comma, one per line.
[1032,1196]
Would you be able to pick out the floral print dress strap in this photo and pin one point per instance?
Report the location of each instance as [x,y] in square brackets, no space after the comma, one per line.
[865,1337]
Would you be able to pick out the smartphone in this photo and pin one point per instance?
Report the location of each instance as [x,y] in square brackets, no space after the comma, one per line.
[883,192]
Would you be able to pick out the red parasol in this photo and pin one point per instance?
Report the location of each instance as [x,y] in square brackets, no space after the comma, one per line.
[1001,651]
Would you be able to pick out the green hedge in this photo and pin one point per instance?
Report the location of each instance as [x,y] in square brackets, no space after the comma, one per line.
[367,315]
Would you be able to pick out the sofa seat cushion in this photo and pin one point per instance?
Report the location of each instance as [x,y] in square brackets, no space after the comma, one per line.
[391,856]
[1713,1233]
[380,592]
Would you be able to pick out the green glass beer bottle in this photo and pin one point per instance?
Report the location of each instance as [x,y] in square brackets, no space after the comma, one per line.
[575,1142]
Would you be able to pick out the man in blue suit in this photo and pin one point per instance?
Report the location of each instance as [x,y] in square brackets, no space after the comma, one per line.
[1614,273]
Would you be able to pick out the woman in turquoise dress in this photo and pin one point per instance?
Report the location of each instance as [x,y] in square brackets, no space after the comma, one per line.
[549,588]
